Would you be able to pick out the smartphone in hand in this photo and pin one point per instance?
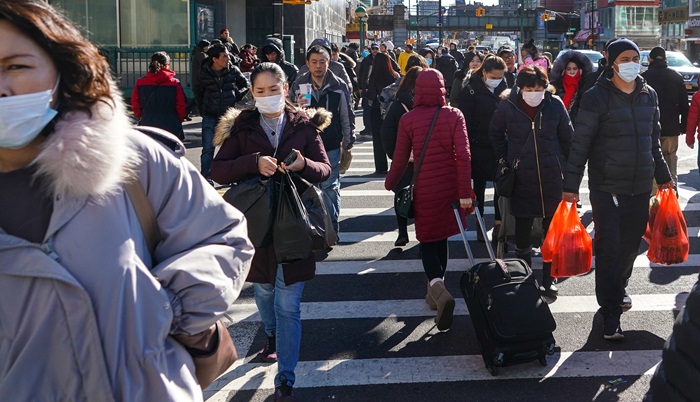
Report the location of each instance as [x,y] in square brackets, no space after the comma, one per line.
[290,158]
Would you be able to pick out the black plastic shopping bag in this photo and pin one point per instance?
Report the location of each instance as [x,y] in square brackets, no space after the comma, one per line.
[292,230]
[256,199]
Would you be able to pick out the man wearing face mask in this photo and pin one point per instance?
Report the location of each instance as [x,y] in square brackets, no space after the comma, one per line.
[617,133]
[328,93]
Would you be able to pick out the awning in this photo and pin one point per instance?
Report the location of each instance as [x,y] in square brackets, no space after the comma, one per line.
[582,35]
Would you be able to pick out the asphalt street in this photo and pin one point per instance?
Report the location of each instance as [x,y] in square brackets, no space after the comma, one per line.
[369,336]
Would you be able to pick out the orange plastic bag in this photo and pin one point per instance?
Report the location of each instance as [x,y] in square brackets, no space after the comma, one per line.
[574,252]
[669,232]
[556,226]
[653,210]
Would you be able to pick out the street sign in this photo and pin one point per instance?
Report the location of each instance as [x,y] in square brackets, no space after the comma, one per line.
[489,26]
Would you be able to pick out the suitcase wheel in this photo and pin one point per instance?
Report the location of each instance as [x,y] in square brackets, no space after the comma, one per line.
[549,349]
[542,359]
[498,360]
[493,370]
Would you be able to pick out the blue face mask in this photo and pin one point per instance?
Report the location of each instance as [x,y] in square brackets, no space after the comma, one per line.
[430,61]
[22,117]
[365,53]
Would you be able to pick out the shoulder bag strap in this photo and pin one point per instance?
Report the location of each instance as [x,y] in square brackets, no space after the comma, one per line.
[425,145]
[144,213]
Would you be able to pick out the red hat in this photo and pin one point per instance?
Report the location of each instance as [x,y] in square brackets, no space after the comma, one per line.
[223,30]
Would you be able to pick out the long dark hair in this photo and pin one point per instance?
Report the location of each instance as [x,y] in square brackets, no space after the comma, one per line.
[381,70]
[409,80]
[532,49]
[85,74]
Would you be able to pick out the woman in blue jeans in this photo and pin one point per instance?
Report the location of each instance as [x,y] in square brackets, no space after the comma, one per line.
[253,143]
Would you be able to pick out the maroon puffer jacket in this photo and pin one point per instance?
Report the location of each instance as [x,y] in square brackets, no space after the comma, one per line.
[445,175]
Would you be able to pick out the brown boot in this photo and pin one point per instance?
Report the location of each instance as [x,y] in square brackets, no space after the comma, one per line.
[429,299]
[445,305]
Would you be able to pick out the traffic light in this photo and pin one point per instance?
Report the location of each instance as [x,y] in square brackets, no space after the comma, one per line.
[480,12]
[545,17]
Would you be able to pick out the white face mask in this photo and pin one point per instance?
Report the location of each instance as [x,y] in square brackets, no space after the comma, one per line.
[628,71]
[270,104]
[493,84]
[533,99]
[22,117]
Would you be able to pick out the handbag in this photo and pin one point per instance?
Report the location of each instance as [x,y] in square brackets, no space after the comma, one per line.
[504,178]
[292,235]
[256,199]
[323,232]
[212,350]
[404,197]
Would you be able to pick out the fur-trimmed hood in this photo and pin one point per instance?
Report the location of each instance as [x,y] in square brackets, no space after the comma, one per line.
[577,57]
[89,156]
[320,117]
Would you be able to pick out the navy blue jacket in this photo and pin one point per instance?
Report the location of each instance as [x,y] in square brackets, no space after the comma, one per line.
[538,177]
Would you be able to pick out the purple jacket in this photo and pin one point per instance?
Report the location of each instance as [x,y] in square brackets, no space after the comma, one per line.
[242,139]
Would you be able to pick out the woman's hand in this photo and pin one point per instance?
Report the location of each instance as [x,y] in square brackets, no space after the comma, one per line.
[465,203]
[267,165]
[298,164]
[569,197]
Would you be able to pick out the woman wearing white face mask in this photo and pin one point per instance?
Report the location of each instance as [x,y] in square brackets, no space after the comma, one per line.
[254,143]
[617,133]
[478,101]
[77,270]
[569,77]
[531,130]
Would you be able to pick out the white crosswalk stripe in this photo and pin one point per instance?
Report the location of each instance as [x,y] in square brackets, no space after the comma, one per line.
[373,295]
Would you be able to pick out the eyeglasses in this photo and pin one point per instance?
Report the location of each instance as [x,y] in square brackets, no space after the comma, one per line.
[507,56]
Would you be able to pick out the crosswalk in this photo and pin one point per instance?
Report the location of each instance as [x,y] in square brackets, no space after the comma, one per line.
[368,335]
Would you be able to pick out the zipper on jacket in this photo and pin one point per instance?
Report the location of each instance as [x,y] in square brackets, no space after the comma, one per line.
[537,160]
[636,143]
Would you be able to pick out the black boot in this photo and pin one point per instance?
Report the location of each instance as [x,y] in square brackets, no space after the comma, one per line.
[402,223]
[524,254]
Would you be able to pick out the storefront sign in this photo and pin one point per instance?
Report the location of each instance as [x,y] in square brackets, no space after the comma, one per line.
[676,14]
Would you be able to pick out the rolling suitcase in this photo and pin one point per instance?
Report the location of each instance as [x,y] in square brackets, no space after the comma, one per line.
[512,321]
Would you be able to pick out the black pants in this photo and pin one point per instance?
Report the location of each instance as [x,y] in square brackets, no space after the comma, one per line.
[401,222]
[380,162]
[618,232]
[480,191]
[434,256]
[523,245]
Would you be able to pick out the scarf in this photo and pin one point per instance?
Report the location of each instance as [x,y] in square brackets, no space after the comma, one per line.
[570,85]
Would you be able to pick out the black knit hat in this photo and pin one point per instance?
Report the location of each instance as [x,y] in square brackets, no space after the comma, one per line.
[657,53]
[619,46]
[203,43]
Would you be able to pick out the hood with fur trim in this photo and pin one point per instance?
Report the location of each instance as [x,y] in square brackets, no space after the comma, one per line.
[89,156]
[320,117]
[559,65]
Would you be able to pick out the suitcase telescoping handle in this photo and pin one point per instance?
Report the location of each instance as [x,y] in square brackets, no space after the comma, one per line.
[463,232]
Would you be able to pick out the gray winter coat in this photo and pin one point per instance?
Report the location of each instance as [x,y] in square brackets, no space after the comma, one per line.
[87,315]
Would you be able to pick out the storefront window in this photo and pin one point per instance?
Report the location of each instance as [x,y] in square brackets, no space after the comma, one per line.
[636,20]
[153,22]
[89,15]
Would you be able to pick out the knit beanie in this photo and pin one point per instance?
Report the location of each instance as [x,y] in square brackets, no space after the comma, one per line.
[619,46]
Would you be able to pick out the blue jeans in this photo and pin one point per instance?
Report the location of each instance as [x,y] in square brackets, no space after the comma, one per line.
[280,311]
[208,129]
[331,188]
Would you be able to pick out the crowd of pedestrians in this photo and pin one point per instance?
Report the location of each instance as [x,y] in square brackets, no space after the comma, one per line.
[451,119]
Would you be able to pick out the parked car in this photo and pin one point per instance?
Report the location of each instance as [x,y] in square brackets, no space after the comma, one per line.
[593,55]
[680,63]
[483,49]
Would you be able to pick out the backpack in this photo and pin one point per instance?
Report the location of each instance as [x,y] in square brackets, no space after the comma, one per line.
[387,96]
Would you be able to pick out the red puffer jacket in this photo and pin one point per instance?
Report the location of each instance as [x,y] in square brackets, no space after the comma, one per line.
[445,175]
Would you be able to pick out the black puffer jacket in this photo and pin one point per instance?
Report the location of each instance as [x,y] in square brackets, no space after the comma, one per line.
[390,126]
[673,98]
[478,104]
[220,90]
[618,135]
[447,65]
[677,378]
[276,44]
[538,178]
